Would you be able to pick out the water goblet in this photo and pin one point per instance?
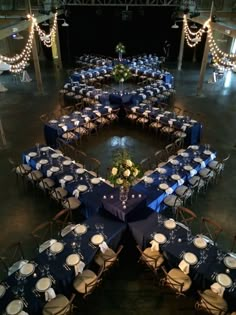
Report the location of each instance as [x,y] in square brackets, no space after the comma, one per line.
[21,290]
[97,227]
[15,291]
[42,270]
[47,269]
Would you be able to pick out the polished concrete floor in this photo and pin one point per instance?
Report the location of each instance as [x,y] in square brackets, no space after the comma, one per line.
[130,290]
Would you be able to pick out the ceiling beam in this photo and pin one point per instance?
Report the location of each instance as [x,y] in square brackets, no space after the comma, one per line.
[121,3]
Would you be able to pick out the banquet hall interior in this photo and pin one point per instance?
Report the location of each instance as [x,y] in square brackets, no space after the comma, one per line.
[199,90]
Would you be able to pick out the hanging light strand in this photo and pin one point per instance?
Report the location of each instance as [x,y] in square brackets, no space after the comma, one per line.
[49,38]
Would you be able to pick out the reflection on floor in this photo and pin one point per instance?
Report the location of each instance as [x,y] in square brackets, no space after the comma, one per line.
[128,289]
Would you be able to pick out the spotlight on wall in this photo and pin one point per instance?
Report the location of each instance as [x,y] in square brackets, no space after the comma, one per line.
[175,26]
[16,34]
[64,24]
[193,26]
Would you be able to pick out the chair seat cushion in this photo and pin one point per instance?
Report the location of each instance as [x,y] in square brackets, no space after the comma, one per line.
[156,259]
[167,129]
[214,300]
[194,180]
[101,257]
[180,134]
[23,169]
[102,120]
[81,130]
[86,277]
[205,172]
[55,305]
[69,135]
[214,164]
[112,116]
[59,192]
[46,183]
[181,277]
[142,120]
[172,201]
[183,191]
[35,175]
[155,125]
[132,116]
[71,203]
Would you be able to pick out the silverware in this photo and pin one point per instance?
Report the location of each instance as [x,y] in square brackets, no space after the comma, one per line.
[64,265]
[91,245]
[24,301]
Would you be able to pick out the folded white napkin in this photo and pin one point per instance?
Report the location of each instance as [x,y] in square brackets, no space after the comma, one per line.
[87,119]
[145,114]
[67,229]
[38,166]
[203,164]
[46,244]
[218,289]
[213,156]
[103,247]
[180,181]
[49,294]
[184,266]
[27,158]
[109,109]
[155,246]
[169,191]
[170,122]
[62,182]
[193,172]
[133,109]
[76,193]
[182,225]
[76,122]
[232,255]
[16,266]
[183,127]
[79,267]
[64,128]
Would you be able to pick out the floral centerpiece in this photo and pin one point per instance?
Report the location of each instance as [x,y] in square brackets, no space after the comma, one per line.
[121,73]
[124,171]
[120,49]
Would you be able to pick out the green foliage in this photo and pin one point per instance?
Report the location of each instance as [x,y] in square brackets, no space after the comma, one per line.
[120,48]
[121,73]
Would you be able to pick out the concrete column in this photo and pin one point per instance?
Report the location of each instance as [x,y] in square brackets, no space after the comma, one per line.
[203,68]
[56,50]
[181,49]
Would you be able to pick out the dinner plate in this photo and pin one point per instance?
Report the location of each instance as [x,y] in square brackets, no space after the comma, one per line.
[2,290]
[97,239]
[43,284]
[188,167]
[180,117]
[230,262]
[76,113]
[163,186]
[73,259]
[80,171]
[44,149]
[193,121]
[170,224]
[27,269]
[187,125]
[198,160]
[95,180]
[190,258]
[61,125]
[174,162]
[55,155]
[53,121]
[207,152]
[80,229]
[161,170]
[194,147]
[184,154]
[32,154]
[68,178]
[160,238]
[43,161]
[82,188]
[56,247]
[14,307]
[67,162]
[175,177]
[199,242]
[148,180]
[224,280]
[66,116]
[54,169]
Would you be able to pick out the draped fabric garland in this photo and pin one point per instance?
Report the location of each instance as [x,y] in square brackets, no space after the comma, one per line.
[19,61]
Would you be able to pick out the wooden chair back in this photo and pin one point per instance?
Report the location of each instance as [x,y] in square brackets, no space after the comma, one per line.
[210,228]
[42,233]
[62,218]
[185,215]
[206,306]
[90,287]
[111,261]
[13,253]
[172,283]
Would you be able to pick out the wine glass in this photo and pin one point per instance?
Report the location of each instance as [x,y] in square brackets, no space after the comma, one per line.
[47,268]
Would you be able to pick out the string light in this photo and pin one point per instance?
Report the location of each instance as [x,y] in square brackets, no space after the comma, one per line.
[20,61]
[193,38]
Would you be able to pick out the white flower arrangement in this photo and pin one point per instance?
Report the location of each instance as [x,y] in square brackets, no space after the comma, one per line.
[124,171]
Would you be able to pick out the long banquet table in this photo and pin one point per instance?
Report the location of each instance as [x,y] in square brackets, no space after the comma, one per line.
[61,276]
[180,241]
[155,195]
